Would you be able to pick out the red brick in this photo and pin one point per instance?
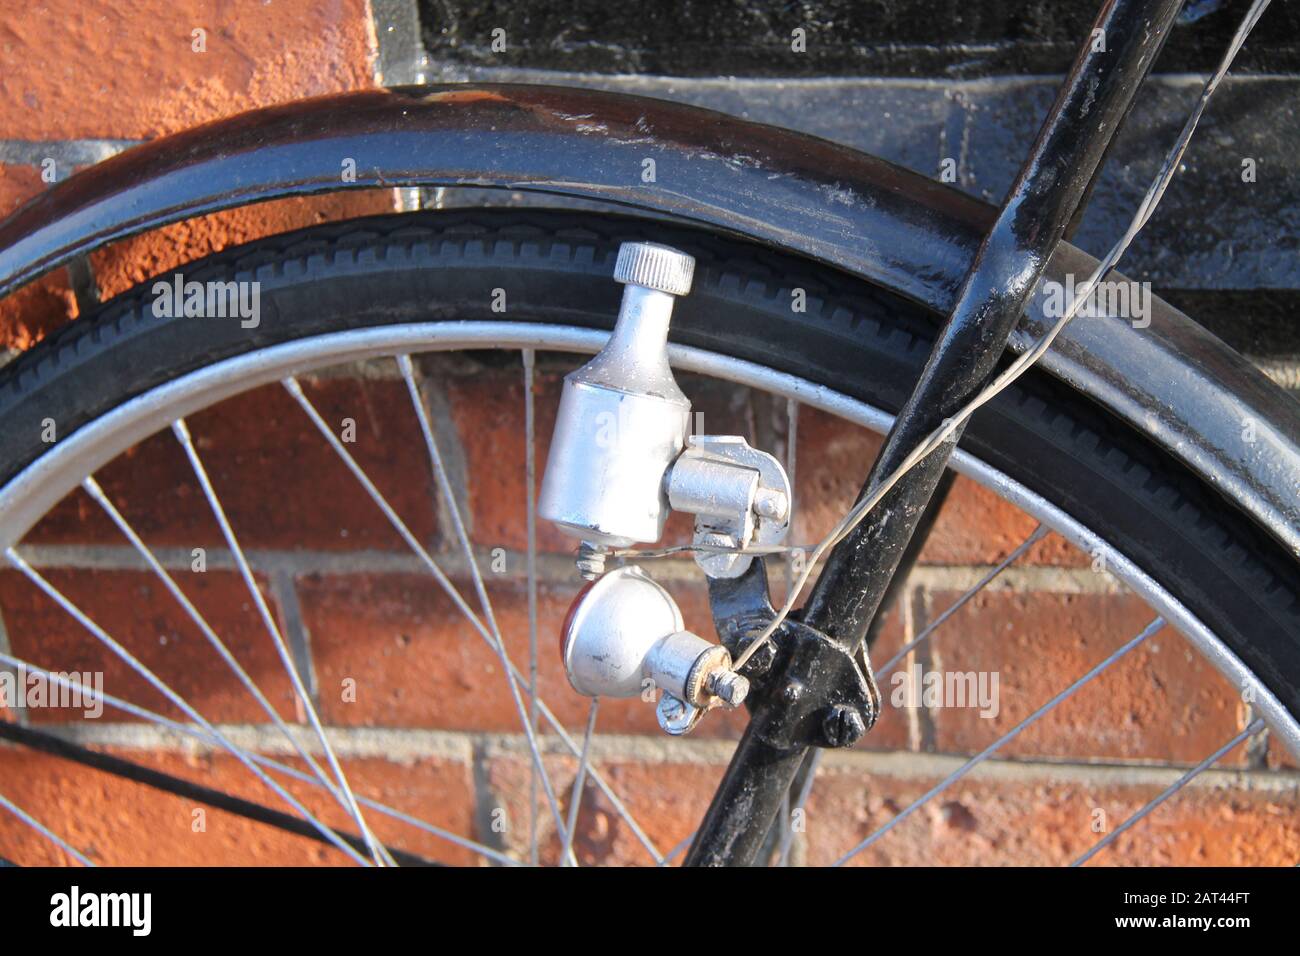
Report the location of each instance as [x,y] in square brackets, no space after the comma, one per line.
[118,823]
[36,310]
[17,185]
[280,482]
[1043,821]
[135,609]
[1161,702]
[488,411]
[6,712]
[666,800]
[83,70]
[1279,755]
[417,662]
[974,527]
[131,261]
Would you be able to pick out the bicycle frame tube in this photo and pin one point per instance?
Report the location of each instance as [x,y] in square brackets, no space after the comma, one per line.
[1092,103]
[1061,166]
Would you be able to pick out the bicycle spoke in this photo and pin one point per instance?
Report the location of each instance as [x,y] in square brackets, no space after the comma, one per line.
[619,807]
[165,689]
[294,389]
[530,480]
[787,831]
[182,433]
[196,734]
[93,489]
[498,647]
[1254,727]
[27,818]
[576,800]
[992,748]
[678,849]
[407,369]
[1035,536]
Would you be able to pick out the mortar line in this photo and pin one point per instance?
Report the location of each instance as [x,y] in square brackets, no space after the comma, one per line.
[400,57]
[437,403]
[285,591]
[70,152]
[19,709]
[554,568]
[908,612]
[407,745]
[486,802]
[928,656]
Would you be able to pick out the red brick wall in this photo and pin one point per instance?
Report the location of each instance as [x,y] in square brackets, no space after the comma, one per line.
[431,731]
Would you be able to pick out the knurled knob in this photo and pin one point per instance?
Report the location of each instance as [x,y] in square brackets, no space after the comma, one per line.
[654,266]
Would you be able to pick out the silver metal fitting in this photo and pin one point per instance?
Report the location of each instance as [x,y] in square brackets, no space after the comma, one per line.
[729,686]
[739,496]
[622,419]
[625,635]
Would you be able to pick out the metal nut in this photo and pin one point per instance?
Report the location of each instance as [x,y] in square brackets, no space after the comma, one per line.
[760,662]
[729,686]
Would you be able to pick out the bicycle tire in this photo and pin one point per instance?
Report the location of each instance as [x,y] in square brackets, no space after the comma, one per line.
[860,340]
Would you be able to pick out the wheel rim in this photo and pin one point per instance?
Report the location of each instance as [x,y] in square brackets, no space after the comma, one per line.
[34,491]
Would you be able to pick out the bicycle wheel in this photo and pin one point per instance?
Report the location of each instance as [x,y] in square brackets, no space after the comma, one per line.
[539,281]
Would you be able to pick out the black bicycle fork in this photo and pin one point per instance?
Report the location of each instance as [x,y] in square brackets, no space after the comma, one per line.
[812,683]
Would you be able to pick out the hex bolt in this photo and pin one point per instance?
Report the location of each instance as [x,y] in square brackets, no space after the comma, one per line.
[729,686]
[715,539]
[762,659]
[843,726]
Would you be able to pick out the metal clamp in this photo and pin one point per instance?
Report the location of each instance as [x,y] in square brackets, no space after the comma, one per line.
[740,496]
